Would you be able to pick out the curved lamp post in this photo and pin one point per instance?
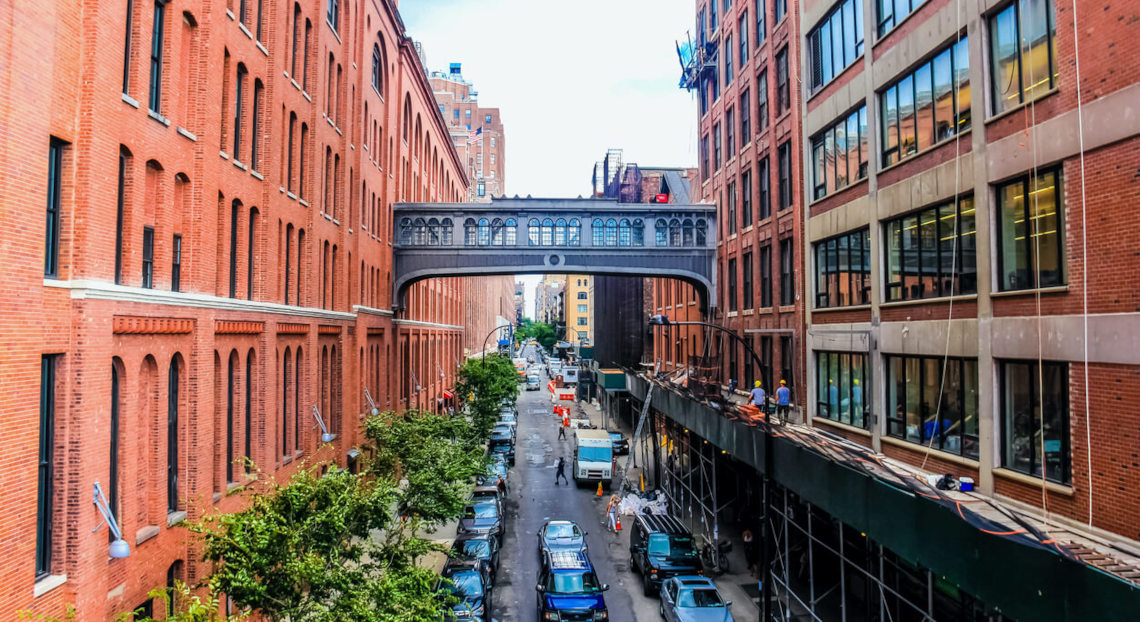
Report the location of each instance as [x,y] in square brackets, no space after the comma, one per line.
[493,331]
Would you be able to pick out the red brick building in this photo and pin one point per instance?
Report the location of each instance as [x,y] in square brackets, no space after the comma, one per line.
[750,166]
[484,156]
[214,268]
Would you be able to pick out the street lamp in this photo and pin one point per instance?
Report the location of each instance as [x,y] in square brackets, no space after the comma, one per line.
[765,544]
[493,331]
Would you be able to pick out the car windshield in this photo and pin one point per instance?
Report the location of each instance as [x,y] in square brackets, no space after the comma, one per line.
[476,548]
[562,530]
[466,583]
[699,598]
[572,583]
[594,454]
[482,510]
[508,417]
[671,546]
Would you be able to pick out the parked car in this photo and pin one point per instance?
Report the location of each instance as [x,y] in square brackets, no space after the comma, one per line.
[487,493]
[495,475]
[568,588]
[482,547]
[621,443]
[466,581]
[502,442]
[482,517]
[661,547]
[560,535]
[533,383]
[693,599]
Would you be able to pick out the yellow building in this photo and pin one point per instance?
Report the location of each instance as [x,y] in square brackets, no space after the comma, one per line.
[578,301]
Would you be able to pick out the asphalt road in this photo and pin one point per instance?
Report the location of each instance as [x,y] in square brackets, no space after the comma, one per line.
[534,499]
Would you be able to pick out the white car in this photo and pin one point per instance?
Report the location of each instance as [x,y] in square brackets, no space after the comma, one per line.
[533,383]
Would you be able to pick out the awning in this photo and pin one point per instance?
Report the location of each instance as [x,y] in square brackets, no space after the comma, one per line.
[448,394]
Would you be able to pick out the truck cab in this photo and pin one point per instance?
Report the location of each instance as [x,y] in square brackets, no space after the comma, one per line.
[593,457]
[569,590]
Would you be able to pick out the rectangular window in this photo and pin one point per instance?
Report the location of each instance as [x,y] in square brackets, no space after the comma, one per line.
[843,270]
[1035,418]
[762,102]
[933,401]
[583,308]
[784,164]
[787,273]
[779,8]
[54,207]
[927,106]
[746,285]
[766,365]
[836,156]
[765,276]
[840,377]
[729,134]
[932,252]
[705,157]
[176,265]
[892,12]
[732,284]
[783,94]
[712,16]
[745,118]
[467,114]
[730,208]
[787,357]
[1031,232]
[582,321]
[746,198]
[581,295]
[148,257]
[764,196]
[743,34]
[716,146]
[1023,53]
[46,487]
[127,47]
[835,43]
[156,46]
[332,15]
[487,119]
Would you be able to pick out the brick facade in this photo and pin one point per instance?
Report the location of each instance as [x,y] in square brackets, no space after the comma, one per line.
[277,213]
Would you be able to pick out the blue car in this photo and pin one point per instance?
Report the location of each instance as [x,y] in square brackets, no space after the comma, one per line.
[560,535]
[467,583]
[568,589]
[692,598]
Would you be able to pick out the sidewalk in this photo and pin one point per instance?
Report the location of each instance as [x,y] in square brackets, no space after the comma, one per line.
[737,585]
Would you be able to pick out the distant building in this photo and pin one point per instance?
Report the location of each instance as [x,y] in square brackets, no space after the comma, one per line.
[476,132]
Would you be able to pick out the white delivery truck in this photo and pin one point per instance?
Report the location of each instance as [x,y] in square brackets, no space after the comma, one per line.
[593,457]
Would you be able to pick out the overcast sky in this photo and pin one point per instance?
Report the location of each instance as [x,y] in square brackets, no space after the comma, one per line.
[572,79]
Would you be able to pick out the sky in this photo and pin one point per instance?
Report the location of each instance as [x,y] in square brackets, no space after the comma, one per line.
[571,80]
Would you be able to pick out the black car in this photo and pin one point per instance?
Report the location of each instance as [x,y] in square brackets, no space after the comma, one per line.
[465,580]
[502,443]
[482,547]
[483,517]
[661,547]
[621,443]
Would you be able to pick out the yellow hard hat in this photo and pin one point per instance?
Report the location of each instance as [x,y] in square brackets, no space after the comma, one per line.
[783,382]
[756,384]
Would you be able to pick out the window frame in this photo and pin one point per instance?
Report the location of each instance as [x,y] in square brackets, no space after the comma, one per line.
[821,64]
[857,296]
[784,175]
[1034,392]
[762,111]
[830,135]
[730,277]
[45,493]
[892,152]
[896,253]
[148,258]
[787,272]
[765,269]
[176,263]
[158,43]
[1028,180]
[783,90]
[896,427]
[832,361]
[56,148]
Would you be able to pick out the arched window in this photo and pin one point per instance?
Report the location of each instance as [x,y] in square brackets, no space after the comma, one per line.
[687,233]
[469,232]
[547,232]
[575,232]
[172,437]
[286,364]
[638,232]
[433,232]
[446,231]
[625,236]
[497,232]
[484,232]
[702,232]
[560,232]
[405,231]
[419,231]
[532,232]
[377,70]
[231,379]
[598,232]
[674,232]
[611,232]
[662,232]
[512,232]
[407,115]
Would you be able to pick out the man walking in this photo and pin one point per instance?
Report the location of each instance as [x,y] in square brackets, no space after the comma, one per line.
[783,400]
[759,397]
[561,472]
[565,424]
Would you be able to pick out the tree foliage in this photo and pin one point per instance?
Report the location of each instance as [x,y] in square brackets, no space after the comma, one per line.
[486,383]
[543,333]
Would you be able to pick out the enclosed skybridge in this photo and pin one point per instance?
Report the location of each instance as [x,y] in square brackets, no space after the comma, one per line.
[556,236]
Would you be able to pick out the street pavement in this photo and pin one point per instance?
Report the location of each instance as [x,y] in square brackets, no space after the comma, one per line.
[534,499]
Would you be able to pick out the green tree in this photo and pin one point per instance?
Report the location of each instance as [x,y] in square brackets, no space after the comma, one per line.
[486,383]
[541,332]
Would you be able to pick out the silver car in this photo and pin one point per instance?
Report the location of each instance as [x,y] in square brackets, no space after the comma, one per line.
[693,598]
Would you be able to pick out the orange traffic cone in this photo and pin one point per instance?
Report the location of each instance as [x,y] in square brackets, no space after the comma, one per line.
[599,489]
[618,523]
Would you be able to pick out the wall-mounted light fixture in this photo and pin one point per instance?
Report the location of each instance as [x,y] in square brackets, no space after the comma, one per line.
[326,437]
[368,396]
[119,547]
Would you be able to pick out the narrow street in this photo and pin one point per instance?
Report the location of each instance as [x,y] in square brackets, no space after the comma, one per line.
[534,499]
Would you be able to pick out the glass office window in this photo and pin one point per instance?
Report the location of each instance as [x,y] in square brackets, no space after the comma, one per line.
[837,155]
[840,380]
[1035,418]
[927,106]
[1030,232]
[1023,54]
[843,270]
[933,401]
[835,42]
[932,252]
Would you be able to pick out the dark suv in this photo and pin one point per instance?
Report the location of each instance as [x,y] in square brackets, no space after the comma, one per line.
[661,547]
[568,589]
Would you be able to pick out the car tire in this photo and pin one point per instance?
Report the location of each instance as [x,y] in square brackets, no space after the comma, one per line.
[661,609]
[633,565]
[646,585]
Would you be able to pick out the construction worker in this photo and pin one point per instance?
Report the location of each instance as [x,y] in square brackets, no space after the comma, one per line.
[565,424]
[758,395]
[783,400]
